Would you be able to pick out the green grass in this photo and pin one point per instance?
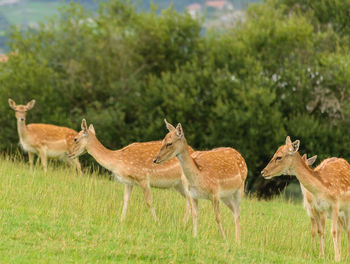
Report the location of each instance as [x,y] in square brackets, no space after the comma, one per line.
[63,218]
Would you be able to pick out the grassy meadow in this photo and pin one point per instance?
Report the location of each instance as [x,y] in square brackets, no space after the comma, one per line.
[62,217]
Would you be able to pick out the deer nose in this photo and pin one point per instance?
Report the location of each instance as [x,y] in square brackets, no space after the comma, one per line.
[155,160]
[262,173]
[22,119]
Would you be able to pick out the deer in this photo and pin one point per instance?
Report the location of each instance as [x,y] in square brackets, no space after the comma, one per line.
[311,205]
[47,141]
[314,208]
[317,217]
[132,165]
[329,184]
[217,174]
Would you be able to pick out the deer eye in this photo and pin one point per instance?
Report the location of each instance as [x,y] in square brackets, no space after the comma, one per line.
[168,145]
[278,158]
[75,140]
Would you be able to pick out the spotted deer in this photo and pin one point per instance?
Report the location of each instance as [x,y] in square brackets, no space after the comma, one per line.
[217,174]
[43,139]
[329,183]
[132,165]
[316,210]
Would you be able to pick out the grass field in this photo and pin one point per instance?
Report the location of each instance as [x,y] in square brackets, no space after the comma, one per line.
[63,218]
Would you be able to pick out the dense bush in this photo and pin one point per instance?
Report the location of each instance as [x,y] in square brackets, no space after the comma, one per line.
[281,72]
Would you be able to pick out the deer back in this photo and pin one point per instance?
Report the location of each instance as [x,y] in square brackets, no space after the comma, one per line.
[224,166]
[335,174]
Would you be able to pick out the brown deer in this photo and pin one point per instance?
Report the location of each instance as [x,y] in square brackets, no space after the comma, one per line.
[43,139]
[329,183]
[132,165]
[311,205]
[316,210]
[216,174]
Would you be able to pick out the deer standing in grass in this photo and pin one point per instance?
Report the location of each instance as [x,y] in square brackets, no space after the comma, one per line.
[316,209]
[317,217]
[217,174]
[329,183]
[43,139]
[132,165]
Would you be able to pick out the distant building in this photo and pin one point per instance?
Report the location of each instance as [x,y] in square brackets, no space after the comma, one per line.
[232,18]
[194,10]
[226,20]
[8,2]
[219,4]
[3,58]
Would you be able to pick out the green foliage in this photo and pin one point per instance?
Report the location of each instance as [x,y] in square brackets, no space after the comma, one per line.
[216,109]
[281,72]
[325,13]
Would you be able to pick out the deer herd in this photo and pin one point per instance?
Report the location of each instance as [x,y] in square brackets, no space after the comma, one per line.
[216,175]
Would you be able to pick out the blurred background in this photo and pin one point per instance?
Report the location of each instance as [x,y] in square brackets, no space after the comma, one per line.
[235,73]
[29,13]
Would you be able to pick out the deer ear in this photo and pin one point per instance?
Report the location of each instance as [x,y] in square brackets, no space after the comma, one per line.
[294,147]
[304,157]
[12,104]
[311,160]
[169,126]
[83,125]
[179,131]
[30,105]
[288,141]
[92,129]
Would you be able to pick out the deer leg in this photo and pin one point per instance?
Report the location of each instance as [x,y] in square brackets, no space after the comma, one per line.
[348,233]
[194,203]
[31,160]
[188,210]
[233,203]
[322,228]
[127,194]
[315,225]
[216,206]
[181,190]
[43,158]
[313,233]
[335,231]
[70,162]
[75,163]
[346,225]
[320,222]
[77,166]
[237,213]
[146,189]
[339,236]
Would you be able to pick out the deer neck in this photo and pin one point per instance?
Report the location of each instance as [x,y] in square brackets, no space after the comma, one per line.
[308,177]
[188,165]
[105,157]
[21,129]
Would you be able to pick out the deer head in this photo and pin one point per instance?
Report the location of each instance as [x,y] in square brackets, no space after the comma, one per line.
[282,160]
[21,110]
[172,144]
[82,140]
